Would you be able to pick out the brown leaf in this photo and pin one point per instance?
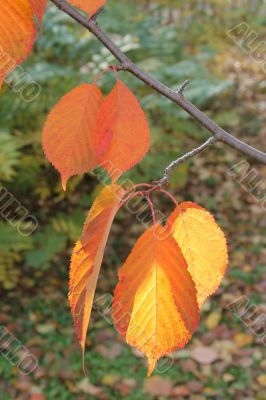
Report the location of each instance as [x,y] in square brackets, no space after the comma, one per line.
[181,390]
[195,386]
[109,352]
[188,365]
[86,387]
[204,355]
[37,396]
[158,386]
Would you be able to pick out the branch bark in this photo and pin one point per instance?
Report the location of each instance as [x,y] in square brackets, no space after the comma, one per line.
[176,97]
[168,170]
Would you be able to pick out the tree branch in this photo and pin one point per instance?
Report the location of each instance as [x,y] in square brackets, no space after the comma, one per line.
[176,97]
[168,170]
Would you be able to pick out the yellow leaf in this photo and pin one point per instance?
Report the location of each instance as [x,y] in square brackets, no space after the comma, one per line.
[155,306]
[262,380]
[203,245]
[213,320]
[243,339]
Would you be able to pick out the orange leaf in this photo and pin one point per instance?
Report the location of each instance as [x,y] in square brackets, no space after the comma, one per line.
[38,8]
[89,6]
[17,33]
[203,245]
[67,134]
[121,120]
[155,306]
[87,257]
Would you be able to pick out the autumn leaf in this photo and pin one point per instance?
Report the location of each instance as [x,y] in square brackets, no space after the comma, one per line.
[155,307]
[67,134]
[121,120]
[38,8]
[87,257]
[89,6]
[203,245]
[17,33]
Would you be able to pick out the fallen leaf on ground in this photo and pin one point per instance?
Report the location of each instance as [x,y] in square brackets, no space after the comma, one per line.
[243,339]
[110,380]
[204,355]
[181,390]
[86,387]
[195,386]
[158,386]
[213,320]
[37,396]
[109,352]
[262,380]
[43,329]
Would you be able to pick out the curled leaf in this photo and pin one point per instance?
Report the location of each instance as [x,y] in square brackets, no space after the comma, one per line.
[87,257]
[155,306]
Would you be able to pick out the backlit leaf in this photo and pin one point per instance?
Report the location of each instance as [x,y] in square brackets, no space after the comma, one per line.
[67,134]
[122,121]
[87,257]
[89,6]
[155,306]
[38,7]
[17,33]
[203,245]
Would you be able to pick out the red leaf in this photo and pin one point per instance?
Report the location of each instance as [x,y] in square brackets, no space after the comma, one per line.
[17,33]
[67,134]
[87,257]
[38,7]
[122,135]
[89,6]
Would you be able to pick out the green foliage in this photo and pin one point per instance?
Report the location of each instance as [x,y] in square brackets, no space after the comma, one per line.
[12,245]
[12,240]
[9,156]
[46,245]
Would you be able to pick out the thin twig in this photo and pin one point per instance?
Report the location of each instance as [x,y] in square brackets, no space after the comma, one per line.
[177,98]
[183,87]
[169,169]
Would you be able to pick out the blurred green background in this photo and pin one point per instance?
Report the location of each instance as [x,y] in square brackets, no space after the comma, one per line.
[173,41]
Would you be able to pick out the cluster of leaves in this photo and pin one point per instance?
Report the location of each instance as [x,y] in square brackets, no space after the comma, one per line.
[113,133]
[97,132]
[66,57]
[106,147]
[166,278]
[17,44]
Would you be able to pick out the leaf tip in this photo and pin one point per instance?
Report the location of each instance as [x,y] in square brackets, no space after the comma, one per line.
[151,365]
[64,180]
